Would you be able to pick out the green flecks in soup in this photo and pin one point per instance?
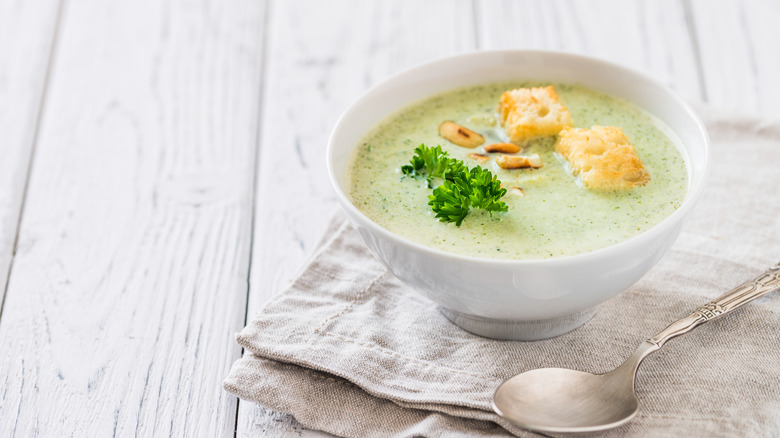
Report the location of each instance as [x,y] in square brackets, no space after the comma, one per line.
[556,217]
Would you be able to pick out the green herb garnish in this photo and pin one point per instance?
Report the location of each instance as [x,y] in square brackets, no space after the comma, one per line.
[461,190]
[433,163]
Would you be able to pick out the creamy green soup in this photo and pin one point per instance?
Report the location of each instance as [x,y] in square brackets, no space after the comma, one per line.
[556,217]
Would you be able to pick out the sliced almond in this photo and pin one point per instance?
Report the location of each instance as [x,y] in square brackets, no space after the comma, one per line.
[517,191]
[479,157]
[459,135]
[507,148]
[519,161]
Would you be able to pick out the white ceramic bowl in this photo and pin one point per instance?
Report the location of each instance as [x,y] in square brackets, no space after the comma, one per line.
[518,299]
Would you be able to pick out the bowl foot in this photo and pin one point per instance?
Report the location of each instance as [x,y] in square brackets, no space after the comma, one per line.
[508,330]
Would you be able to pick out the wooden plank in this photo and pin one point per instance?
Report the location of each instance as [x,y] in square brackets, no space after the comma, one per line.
[321,56]
[257,421]
[27,31]
[650,36]
[130,275]
[740,53]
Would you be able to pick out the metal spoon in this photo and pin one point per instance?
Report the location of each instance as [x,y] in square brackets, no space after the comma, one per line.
[566,401]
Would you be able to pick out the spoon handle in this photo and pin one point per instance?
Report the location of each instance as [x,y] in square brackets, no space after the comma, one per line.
[731,300]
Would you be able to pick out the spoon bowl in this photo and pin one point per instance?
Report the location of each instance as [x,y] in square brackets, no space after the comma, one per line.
[566,401]
[560,400]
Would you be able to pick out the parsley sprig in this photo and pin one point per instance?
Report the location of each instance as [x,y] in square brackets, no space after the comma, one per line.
[432,163]
[462,188]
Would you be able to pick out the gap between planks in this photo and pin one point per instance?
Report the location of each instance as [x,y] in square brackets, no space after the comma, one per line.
[32,147]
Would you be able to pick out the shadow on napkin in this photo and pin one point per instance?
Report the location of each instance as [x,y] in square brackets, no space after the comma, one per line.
[350,350]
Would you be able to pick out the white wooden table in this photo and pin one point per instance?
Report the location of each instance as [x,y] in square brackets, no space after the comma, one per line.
[162,171]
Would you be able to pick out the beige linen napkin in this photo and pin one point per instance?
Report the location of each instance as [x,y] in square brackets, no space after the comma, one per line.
[350,350]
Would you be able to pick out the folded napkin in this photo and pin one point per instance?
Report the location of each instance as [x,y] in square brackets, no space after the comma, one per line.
[350,350]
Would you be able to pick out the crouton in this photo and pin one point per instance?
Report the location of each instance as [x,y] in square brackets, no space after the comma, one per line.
[528,113]
[602,157]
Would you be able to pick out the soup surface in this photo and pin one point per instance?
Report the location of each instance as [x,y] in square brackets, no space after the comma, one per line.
[558,216]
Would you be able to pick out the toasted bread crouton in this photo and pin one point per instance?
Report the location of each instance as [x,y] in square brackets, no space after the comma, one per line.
[602,157]
[528,113]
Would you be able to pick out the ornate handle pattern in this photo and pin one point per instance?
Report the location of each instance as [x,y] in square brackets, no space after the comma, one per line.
[734,299]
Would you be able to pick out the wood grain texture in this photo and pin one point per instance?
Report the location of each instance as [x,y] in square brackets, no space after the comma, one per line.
[130,275]
[27,32]
[740,52]
[316,68]
[257,421]
[647,35]
[320,57]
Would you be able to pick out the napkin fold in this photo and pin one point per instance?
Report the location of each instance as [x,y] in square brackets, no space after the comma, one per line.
[350,350]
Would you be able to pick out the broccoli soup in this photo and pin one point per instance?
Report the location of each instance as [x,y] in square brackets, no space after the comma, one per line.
[413,173]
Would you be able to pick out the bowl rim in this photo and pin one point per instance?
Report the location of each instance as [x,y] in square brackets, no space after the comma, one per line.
[692,197]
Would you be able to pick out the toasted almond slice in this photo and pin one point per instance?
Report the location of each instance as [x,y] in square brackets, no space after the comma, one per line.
[479,157]
[459,135]
[517,191]
[507,148]
[519,161]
